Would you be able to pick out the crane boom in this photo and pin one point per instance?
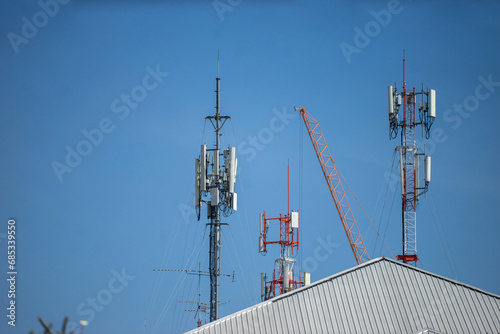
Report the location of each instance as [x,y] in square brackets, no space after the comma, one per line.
[332,178]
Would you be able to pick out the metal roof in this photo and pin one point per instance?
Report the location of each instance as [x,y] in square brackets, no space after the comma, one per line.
[379,296]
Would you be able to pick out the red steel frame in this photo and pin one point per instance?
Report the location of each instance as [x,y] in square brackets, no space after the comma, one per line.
[288,240]
[278,283]
[331,174]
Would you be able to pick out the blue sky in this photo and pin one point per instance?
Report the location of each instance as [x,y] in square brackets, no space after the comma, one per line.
[143,74]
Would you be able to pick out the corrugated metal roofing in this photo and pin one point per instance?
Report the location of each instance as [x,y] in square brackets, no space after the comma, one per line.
[379,296]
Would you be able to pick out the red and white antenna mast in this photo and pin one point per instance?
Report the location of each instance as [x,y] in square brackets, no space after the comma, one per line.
[409,156]
[283,279]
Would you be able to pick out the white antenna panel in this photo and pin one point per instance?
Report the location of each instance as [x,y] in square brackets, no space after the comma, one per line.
[416,162]
[197,192]
[234,201]
[307,278]
[216,163]
[391,100]
[232,169]
[400,149]
[260,224]
[427,169]
[295,220]
[235,168]
[432,103]
[262,283]
[203,168]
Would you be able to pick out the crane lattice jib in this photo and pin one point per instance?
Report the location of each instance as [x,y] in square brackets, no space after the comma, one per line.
[336,189]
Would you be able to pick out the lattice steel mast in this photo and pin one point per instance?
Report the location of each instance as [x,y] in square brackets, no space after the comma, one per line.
[409,155]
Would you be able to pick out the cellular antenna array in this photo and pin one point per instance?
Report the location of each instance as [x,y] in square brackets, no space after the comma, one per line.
[215,175]
[283,279]
[403,115]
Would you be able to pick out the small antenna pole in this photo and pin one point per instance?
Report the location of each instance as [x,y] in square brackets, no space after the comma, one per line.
[404,60]
[288,186]
[218,58]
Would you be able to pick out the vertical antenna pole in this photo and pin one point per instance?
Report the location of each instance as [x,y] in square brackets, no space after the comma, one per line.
[403,171]
[215,223]
[219,193]
[214,266]
[404,82]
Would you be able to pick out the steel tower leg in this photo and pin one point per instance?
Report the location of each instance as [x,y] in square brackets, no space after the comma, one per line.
[214,268]
[408,175]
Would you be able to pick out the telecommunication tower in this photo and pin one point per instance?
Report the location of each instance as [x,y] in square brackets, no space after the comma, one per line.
[409,156]
[283,279]
[215,180]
